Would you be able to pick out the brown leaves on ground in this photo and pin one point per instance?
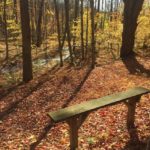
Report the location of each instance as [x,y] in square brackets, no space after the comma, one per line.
[25,125]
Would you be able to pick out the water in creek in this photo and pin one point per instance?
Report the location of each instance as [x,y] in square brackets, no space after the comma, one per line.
[48,61]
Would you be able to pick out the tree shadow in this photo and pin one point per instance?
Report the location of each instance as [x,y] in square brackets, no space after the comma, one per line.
[50,125]
[134,143]
[5,92]
[14,105]
[78,88]
[134,67]
[42,135]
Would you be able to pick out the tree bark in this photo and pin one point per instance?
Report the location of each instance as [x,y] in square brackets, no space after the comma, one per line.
[5,29]
[58,31]
[39,24]
[82,31]
[132,10]
[111,10]
[15,11]
[68,29]
[26,41]
[99,5]
[92,33]
[33,21]
[87,29]
[75,23]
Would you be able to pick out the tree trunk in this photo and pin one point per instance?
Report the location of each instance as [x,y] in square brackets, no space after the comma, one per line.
[102,5]
[68,29]
[82,31]
[58,31]
[15,11]
[39,24]
[87,30]
[26,41]
[5,29]
[99,5]
[75,23]
[132,10]
[33,21]
[111,10]
[92,33]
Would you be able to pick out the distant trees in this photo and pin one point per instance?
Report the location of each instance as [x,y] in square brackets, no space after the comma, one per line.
[15,11]
[79,29]
[132,10]
[26,41]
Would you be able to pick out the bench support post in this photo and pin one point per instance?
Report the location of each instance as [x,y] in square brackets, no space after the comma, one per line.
[73,133]
[74,124]
[131,104]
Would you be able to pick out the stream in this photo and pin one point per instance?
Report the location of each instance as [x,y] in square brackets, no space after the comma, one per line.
[48,61]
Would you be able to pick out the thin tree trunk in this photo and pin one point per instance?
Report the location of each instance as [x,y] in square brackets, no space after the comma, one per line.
[68,29]
[15,11]
[5,29]
[111,10]
[39,24]
[102,5]
[82,31]
[62,19]
[87,29]
[58,32]
[33,23]
[105,14]
[99,5]
[92,33]
[75,24]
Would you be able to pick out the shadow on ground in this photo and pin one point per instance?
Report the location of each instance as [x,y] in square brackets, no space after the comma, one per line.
[50,125]
[14,105]
[134,67]
[134,143]
[137,144]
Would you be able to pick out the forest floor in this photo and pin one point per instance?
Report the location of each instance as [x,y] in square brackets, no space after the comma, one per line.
[24,123]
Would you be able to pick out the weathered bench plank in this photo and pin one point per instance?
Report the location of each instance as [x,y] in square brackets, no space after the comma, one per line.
[66,113]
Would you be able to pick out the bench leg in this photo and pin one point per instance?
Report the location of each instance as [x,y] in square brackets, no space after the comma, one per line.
[73,133]
[131,104]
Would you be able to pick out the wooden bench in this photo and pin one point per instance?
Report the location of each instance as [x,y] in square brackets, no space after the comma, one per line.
[76,115]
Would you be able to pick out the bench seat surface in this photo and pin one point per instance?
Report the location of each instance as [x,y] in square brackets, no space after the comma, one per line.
[66,113]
